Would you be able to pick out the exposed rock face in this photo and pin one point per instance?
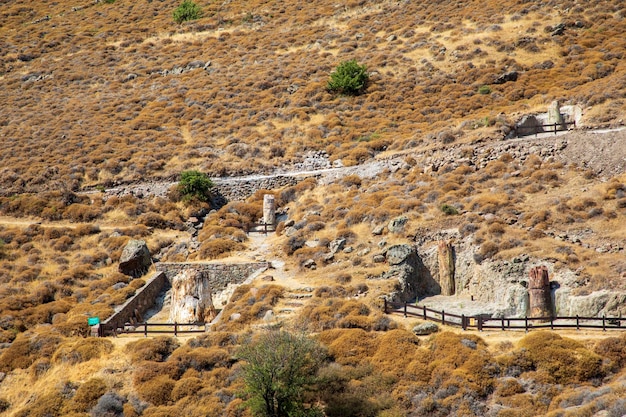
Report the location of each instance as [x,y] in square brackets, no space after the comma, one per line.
[425,328]
[397,225]
[269,209]
[135,260]
[539,292]
[445,257]
[191,298]
[414,279]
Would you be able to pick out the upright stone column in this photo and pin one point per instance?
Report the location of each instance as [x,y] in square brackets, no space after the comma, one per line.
[554,114]
[269,209]
[446,267]
[539,292]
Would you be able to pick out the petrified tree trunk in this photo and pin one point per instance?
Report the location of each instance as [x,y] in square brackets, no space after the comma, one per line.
[269,209]
[539,292]
[446,267]
[191,298]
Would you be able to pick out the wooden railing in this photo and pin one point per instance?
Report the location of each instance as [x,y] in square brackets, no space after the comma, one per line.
[159,328]
[254,228]
[483,322]
[554,127]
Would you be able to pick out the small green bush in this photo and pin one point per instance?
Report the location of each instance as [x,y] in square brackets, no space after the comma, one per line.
[195,184]
[188,10]
[348,78]
[484,89]
[449,210]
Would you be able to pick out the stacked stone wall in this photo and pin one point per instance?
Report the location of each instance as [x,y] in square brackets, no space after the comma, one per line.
[136,306]
[219,275]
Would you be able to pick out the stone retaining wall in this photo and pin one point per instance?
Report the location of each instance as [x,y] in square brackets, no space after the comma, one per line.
[138,304]
[240,189]
[219,275]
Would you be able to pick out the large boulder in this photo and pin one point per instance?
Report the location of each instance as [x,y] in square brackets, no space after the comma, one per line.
[414,279]
[191,300]
[135,260]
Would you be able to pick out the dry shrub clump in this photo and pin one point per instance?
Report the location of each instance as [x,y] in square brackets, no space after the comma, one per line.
[329,313]
[157,349]
[87,396]
[560,360]
[248,304]
[27,348]
[82,351]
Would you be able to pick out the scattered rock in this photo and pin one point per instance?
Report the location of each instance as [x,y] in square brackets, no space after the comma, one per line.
[469,343]
[348,249]
[397,225]
[268,316]
[336,245]
[391,38]
[268,278]
[310,263]
[425,328]
[120,285]
[378,230]
[506,77]
[378,258]
[135,260]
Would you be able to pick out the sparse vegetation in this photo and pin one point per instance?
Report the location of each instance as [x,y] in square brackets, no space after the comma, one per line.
[195,184]
[187,10]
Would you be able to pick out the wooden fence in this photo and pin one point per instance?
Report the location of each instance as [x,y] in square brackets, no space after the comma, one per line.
[533,130]
[260,228]
[160,328]
[483,322]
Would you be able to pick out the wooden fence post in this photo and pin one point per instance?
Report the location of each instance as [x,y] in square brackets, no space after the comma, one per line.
[480,323]
[145,329]
[175,329]
[443,317]
[385,307]
[577,323]
[604,322]
[551,322]
[526,323]
[502,318]
[424,309]
[463,323]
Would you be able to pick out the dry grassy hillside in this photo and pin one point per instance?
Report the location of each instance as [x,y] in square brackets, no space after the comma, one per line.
[112,92]
[85,101]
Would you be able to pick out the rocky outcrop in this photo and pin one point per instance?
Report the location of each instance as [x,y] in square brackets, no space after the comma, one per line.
[135,260]
[539,292]
[413,278]
[397,225]
[554,114]
[445,258]
[191,298]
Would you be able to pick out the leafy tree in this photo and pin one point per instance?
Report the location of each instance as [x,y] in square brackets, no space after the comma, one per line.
[279,368]
[195,184]
[188,10]
[348,78]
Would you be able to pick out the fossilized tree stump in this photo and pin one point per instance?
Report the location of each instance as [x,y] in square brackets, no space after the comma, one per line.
[539,292]
[191,298]
[269,209]
[446,267]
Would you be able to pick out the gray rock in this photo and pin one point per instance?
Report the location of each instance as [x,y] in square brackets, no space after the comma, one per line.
[378,258]
[269,316]
[469,343]
[364,252]
[336,245]
[378,230]
[398,254]
[391,38]
[135,260]
[397,225]
[348,249]
[425,328]
[120,285]
[506,77]
[310,263]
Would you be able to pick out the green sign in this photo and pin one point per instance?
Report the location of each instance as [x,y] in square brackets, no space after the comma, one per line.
[92,321]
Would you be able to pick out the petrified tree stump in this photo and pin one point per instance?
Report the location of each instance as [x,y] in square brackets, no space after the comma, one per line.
[191,298]
[539,292]
[446,267]
[269,209]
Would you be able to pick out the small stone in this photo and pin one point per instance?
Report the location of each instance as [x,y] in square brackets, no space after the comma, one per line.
[310,263]
[425,329]
[269,316]
[469,343]
[348,249]
[378,230]
[391,38]
[234,317]
[268,278]
[378,258]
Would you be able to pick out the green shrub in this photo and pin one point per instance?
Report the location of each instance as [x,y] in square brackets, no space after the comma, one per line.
[194,184]
[188,10]
[484,89]
[348,78]
[449,210]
